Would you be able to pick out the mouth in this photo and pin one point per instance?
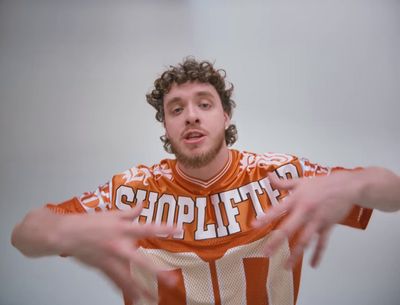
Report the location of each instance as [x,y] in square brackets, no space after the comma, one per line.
[193,136]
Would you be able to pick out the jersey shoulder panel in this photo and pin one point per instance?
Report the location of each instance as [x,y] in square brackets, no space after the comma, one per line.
[88,202]
[311,169]
[250,160]
[70,206]
[260,164]
[142,176]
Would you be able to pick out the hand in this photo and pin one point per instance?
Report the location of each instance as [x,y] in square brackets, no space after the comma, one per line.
[106,241]
[313,206]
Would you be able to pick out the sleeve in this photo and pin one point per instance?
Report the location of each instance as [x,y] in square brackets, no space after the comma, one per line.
[88,202]
[358,216]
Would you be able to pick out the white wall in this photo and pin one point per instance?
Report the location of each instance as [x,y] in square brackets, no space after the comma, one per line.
[318,79]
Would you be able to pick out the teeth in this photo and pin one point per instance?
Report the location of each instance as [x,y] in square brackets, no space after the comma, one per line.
[194,135]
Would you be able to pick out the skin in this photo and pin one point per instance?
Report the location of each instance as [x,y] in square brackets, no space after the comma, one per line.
[196,107]
[102,240]
[106,240]
[315,205]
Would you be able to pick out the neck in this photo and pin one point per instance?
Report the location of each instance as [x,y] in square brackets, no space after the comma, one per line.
[211,169]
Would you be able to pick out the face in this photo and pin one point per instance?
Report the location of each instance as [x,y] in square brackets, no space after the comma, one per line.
[195,123]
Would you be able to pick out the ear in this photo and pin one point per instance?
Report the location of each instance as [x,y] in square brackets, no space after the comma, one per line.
[227,120]
[166,131]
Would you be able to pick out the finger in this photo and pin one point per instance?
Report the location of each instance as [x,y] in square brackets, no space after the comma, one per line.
[302,243]
[143,263]
[149,230]
[320,248]
[128,253]
[131,213]
[282,184]
[120,275]
[276,238]
[271,215]
[286,230]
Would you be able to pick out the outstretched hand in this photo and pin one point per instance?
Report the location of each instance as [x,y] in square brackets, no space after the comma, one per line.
[313,207]
[106,241]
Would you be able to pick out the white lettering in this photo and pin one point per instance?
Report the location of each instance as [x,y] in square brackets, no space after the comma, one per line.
[252,189]
[272,194]
[170,201]
[149,211]
[184,203]
[221,229]
[200,233]
[287,169]
[231,211]
[127,193]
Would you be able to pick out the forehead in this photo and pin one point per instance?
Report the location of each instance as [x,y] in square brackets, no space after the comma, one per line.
[189,90]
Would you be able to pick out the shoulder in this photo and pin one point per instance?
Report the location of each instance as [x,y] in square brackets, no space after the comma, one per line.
[250,160]
[271,161]
[144,174]
[260,164]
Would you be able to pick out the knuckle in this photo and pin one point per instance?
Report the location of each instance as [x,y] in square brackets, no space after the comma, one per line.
[284,231]
[303,242]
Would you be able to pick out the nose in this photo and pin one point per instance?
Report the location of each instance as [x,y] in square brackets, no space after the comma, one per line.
[192,115]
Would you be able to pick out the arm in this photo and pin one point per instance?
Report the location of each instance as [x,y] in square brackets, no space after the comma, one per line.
[378,188]
[101,240]
[38,234]
[315,205]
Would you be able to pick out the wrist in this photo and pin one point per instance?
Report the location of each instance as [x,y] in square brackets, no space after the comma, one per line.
[360,185]
[354,185]
[60,238]
[365,181]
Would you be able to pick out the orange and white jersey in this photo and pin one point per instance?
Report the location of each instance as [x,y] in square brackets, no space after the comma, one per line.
[218,257]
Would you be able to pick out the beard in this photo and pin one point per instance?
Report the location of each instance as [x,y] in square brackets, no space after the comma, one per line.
[201,159]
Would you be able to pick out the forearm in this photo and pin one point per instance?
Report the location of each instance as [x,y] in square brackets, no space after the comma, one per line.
[378,188]
[36,235]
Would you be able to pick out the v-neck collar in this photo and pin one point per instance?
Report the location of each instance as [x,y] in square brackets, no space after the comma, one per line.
[209,182]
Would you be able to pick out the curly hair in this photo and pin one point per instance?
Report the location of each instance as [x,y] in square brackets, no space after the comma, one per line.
[187,71]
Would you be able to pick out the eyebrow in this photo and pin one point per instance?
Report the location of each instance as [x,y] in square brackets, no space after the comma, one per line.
[173,101]
[197,94]
[204,93]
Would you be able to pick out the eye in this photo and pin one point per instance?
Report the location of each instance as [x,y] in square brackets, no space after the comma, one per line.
[176,110]
[205,105]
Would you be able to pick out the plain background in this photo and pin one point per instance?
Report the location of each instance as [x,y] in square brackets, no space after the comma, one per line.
[318,79]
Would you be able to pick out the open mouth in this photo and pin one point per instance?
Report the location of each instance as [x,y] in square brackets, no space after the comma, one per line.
[193,137]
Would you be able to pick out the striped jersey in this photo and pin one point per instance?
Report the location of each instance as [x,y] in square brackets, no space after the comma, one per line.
[217,257]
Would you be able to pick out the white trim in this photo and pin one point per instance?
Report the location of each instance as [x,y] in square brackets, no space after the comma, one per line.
[203,183]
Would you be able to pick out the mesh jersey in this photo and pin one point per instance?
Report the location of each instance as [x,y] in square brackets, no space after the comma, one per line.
[218,257]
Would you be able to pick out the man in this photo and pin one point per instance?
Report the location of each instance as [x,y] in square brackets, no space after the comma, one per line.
[192,239]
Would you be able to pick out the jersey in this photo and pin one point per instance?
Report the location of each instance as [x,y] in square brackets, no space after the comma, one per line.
[218,257]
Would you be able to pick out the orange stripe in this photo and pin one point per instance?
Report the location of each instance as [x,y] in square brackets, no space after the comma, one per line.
[172,295]
[256,271]
[215,285]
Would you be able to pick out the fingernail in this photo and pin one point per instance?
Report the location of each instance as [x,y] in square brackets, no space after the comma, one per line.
[171,280]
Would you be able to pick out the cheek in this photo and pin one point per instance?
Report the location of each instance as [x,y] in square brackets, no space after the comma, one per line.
[170,128]
[219,121]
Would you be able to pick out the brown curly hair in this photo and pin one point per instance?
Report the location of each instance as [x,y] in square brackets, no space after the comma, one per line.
[187,71]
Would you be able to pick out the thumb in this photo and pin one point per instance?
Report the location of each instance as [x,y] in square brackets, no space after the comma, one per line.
[281,184]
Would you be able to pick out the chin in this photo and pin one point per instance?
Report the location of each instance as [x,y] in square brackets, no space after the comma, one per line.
[197,156]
